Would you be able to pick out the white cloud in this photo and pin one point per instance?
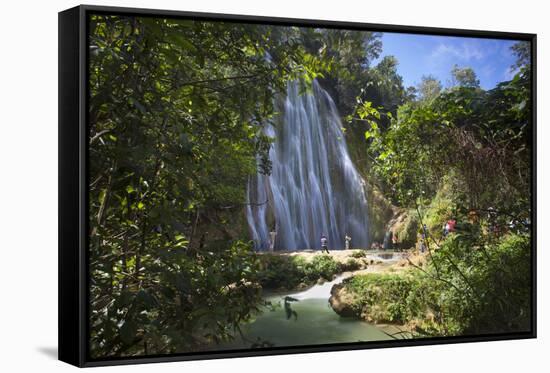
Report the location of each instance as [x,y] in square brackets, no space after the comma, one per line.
[488,70]
[466,51]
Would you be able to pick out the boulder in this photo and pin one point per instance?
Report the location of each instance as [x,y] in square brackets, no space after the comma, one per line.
[342,301]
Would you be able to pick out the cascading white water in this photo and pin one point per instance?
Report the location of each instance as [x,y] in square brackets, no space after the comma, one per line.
[314,188]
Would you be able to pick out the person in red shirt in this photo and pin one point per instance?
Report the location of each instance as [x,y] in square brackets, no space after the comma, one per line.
[450,226]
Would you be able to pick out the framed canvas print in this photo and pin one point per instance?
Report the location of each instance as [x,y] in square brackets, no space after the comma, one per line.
[238,186]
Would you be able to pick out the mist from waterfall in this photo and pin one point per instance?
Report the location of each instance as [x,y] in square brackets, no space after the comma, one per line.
[314,188]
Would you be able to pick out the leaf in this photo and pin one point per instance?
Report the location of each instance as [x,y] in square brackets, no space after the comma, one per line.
[138,105]
[181,241]
[127,29]
[124,299]
[102,195]
[384,155]
[181,41]
[128,332]
[373,125]
[145,298]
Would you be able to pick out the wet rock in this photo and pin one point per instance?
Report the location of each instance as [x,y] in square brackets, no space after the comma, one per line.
[342,301]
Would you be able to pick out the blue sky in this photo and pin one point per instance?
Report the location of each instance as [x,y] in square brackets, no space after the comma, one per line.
[436,55]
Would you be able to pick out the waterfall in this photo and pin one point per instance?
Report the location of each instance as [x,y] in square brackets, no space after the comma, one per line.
[314,188]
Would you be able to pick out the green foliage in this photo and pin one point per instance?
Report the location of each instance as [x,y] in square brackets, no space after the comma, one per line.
[403,153]
[358,254]
[464,153]
[176,116]
[322,266]
[352,53]
[176,113]
[429,88]
[380,297]
[522,51]
[477,140]
[473,285]
[464,77]
[281,271]
[207,295]
[385,87]
[461,153]
[351,265]
[487,283]
[288,272]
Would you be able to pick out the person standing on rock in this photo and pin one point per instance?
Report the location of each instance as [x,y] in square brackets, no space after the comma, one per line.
[324,244]
[272,236]
[348,242]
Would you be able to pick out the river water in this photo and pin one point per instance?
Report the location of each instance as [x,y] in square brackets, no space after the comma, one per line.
[312,321]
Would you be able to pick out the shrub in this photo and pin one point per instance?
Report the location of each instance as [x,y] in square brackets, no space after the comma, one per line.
[380,297]
[358,254]
[278,271]
[351,265]
[471,286]
[492,283]
[322,266]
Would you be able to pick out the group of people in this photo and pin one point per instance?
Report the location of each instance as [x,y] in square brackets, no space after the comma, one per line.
[391,239]
[324,242]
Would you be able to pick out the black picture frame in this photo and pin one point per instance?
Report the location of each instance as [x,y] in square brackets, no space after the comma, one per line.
[73,185]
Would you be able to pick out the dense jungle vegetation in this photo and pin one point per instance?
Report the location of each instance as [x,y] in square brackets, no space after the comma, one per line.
[176,112]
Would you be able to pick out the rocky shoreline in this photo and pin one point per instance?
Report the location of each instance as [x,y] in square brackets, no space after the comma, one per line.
[346,303]
[365,262]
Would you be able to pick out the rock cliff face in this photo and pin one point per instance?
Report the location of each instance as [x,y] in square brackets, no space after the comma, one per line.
[404,225]
[380,211]
[384,216]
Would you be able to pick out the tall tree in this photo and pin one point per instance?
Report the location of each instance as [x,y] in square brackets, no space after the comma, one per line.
[389,84]
[464,77]
[177,109]
[429,88]
[522,51]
